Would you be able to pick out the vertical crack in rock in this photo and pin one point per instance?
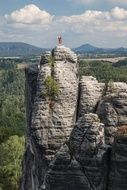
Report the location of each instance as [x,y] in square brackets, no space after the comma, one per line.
[78,102]
[87,144]
[49,129]
[70,145]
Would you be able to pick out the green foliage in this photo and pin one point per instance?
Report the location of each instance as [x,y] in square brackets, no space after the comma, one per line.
[121,63]
[12,111]
[51,61]
[5,133]
[11,154]
[6,64]
[12,122]
[111,87]
[103,71]
[12,82]
[52,88]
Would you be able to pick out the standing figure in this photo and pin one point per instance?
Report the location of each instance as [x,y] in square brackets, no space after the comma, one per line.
[59,40]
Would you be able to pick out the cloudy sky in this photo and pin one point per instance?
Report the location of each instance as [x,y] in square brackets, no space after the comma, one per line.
[102,23]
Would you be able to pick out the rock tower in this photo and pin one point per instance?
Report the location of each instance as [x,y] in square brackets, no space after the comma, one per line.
[72,140]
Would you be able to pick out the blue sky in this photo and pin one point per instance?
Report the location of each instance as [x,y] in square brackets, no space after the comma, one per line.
[100,22]
[59,7]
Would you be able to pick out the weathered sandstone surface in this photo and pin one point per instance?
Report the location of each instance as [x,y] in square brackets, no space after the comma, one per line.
[73,144]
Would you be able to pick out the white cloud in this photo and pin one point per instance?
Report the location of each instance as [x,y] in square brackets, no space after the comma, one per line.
[30,14]
[119,13]
[97,20]
[32,25]
[96,24]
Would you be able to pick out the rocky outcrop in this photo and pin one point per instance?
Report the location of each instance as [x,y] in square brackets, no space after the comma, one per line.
[118,169]
[112,109]
[79,163]
[49,127]
[72,140]
[90,93]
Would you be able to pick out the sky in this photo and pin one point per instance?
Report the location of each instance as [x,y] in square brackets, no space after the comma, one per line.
[102,23]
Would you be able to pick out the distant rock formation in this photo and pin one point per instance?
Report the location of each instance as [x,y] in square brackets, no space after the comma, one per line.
[72,140]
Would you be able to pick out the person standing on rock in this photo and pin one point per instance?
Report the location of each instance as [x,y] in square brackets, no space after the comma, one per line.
[59,40]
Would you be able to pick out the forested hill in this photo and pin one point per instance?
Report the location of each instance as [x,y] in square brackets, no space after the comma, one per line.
[12,49]
[88,48]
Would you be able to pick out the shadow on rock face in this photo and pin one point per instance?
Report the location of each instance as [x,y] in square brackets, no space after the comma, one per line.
[82,162]
[112,111]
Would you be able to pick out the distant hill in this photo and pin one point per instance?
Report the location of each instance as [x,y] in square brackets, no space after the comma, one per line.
[14,49]
[87,48]
[19,49]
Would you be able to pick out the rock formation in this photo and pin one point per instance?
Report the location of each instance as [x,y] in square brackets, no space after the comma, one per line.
[72,139]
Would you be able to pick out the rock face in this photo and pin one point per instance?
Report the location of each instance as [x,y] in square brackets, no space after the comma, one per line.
[72,140]
[112,109]
[49,127]
[90,94]
[79,162]
[118,170]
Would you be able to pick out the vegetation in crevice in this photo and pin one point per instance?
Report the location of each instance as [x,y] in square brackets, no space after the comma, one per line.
[52,86]
[111,87]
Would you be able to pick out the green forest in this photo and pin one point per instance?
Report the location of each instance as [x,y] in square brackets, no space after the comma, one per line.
[104,71]
[12,125]
[12,112]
